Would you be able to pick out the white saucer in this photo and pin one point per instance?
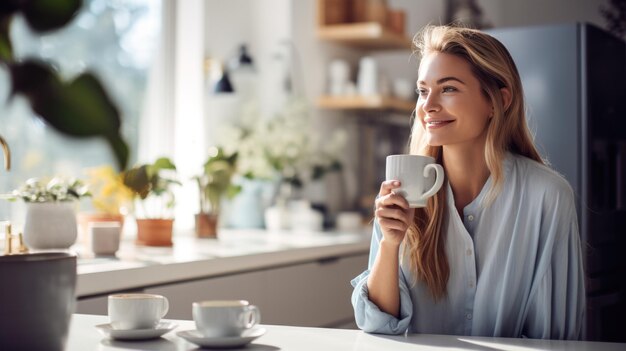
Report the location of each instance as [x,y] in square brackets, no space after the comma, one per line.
[224,342]
[136,334]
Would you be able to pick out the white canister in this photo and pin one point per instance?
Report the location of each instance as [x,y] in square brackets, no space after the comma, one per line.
[367,81]
[338,77]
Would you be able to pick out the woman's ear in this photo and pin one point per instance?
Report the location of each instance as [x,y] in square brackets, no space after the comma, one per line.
[506,97]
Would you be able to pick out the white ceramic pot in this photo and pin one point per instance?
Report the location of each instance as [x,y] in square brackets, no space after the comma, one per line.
[50,225]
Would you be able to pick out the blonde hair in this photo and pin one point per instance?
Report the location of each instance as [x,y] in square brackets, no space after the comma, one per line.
[507,131]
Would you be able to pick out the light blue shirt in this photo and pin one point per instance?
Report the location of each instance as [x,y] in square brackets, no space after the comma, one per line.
[515,266]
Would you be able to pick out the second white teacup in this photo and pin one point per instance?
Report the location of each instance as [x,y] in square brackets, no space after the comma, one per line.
[220,318]
[420,177]
[136,311]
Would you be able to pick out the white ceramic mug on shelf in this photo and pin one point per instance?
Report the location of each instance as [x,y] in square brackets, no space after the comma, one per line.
[420,177]
[219,318]
[136,311]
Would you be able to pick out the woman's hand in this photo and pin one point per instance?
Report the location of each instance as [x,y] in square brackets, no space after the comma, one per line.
[393,213]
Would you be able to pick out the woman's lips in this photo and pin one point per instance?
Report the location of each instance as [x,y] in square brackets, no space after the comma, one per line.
[437,124]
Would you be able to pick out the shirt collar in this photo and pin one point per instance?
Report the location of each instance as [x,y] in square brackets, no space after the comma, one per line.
[477,203]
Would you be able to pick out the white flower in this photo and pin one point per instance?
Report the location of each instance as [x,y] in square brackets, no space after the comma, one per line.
[284,144]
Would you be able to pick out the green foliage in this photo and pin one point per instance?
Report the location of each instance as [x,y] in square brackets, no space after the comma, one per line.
[215,182]
[148,179]
[80,108]
[57,189]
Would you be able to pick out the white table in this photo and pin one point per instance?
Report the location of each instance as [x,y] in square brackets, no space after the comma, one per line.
[83,336]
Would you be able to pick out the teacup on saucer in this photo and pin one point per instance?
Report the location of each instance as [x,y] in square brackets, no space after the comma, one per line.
[136,334]
[246,337]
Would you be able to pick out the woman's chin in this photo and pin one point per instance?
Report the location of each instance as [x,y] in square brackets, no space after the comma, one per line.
[435,142]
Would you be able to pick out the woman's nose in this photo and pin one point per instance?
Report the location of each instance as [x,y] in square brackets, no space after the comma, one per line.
[430,103]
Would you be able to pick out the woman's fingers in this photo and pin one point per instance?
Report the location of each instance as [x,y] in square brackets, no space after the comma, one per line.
[393,224]
[390,200]
[387,186]
[393,213]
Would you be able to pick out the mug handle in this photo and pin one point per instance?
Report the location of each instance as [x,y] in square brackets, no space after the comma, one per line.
[166,306]
[438,180]
[252,317]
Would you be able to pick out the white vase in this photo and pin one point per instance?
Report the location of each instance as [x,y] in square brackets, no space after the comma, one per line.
[50,225]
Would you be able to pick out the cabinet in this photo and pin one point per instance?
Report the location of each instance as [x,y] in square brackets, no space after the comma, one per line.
[312,294]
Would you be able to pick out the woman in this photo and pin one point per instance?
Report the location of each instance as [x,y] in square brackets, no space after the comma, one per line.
[496,252]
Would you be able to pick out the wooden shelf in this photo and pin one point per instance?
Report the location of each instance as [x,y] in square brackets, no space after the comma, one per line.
[369,35]
[365,103]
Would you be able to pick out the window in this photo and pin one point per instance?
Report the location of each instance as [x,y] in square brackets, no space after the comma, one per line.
[115,39]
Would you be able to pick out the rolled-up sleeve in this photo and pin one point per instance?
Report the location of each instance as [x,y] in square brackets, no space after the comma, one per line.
[368,316]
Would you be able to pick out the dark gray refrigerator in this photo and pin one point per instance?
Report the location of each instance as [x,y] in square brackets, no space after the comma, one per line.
[574,78]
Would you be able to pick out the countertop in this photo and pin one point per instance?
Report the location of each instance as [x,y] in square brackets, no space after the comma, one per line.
[192,258]
[84,336]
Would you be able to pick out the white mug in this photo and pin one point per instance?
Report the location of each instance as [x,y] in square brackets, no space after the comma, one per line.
[415,173]
[225,318]
[136,311]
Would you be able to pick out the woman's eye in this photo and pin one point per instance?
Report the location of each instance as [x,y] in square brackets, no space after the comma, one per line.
[448,89]
[421,92]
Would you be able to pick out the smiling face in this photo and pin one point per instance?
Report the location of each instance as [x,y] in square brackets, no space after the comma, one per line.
[451,106]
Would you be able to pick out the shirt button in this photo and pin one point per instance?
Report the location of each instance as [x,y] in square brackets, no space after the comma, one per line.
[470,218]
[471,284]
[469,252]
[468,316]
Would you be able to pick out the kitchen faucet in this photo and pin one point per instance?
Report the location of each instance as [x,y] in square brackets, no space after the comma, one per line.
[7,153]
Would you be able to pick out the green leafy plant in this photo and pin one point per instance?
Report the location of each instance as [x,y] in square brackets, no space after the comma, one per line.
[56,190]
[215,182]
[79,108]
[154,180]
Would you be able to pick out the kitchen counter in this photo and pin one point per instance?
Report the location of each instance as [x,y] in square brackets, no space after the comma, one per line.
[190,258]
[84,336]
[300,278]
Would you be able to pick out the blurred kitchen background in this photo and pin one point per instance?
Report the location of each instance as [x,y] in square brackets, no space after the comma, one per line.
[312,103]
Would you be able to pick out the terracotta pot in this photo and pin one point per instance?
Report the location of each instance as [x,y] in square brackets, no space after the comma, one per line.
[84,218]
[206,225]
[154,232]
[38,298]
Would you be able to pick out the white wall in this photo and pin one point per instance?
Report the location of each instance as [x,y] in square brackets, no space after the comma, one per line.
[262,25]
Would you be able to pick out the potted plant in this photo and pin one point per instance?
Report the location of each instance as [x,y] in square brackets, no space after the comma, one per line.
[213,184]
[50,218]
[111,199]
[151,184]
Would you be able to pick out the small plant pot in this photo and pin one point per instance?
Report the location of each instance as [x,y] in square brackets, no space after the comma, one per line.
[154,232]
[84,218]
[206,225]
